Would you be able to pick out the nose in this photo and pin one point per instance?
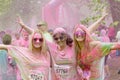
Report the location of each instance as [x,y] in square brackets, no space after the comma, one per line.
[79,34]
[58,39]
[37,40]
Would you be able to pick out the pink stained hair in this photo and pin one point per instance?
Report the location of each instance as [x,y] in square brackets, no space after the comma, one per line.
[86,41]
[59,30]
[88,37]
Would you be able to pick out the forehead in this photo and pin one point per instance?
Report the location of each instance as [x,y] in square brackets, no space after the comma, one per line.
[59,34]
[79,29]
[37,35]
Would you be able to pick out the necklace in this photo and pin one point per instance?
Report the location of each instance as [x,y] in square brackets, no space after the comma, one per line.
[62,53]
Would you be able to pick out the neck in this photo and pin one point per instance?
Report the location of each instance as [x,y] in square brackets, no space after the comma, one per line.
[36,50]
[44,31]
[81,44]
[62,47]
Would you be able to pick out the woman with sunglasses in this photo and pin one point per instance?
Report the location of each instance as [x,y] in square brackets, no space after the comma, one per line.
[33,62]
[89,52]
[63,56]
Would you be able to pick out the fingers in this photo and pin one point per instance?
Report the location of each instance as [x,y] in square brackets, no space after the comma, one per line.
[19,20]
[105,11]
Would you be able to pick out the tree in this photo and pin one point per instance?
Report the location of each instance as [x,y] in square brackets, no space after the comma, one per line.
[96,6]
[4,5]
[115,11]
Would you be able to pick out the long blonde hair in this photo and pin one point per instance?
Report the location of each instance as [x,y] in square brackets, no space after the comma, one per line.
[44,47]
[87,39]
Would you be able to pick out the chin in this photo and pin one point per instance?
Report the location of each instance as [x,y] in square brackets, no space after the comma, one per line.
[60,44]
[37,46]
[80,40]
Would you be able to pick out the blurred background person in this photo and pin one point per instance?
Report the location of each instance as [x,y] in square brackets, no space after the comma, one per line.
[7,64]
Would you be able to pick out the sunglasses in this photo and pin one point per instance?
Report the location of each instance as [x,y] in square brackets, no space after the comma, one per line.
[80,33]
[39,25]
[40,39]
[61,38]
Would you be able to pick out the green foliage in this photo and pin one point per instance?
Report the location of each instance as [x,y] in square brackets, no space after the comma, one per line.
[117,0]
[115,23]
[96,6]
[4,5]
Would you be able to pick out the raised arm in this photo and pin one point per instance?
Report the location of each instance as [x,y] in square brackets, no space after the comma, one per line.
[28,29]
[95,25]
[104,48]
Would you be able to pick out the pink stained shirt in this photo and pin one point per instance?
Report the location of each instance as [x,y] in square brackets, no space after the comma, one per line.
[31,67]
[64,63]
[111,32]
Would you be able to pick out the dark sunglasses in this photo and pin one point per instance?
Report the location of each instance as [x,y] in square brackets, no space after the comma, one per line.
[39,25]
[57,38]
[40,39]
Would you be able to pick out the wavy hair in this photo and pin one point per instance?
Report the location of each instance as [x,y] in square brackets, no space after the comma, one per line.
[88,39]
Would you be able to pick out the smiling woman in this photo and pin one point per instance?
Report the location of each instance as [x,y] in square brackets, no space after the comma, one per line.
[89,52]
[63,56]
[80,34]
[37,40]
[33,62]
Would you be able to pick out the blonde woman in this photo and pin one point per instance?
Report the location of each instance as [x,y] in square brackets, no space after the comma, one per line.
[90,51]
[33,62]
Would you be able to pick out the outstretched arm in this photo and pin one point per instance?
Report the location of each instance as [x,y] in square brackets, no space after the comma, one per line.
[116,45]
[111,45]
[2,46]
[95,25]
[28,29]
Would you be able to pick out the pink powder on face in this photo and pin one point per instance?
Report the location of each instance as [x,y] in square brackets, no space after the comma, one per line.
[37,37]
[80,33]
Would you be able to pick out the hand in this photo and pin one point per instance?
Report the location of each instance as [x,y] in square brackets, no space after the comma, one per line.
[104,12]
[19,20]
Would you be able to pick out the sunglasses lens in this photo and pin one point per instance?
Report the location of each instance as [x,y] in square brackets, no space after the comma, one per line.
[78,33]
[38,25]
[40,39]
[55,38]
[35,39]
[61,38]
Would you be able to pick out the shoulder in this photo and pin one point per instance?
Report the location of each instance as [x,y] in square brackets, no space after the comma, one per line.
[95,43]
